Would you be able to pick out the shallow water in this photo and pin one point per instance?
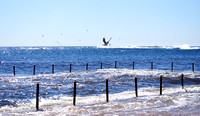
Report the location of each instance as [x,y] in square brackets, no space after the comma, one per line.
[43,57]
[56,90]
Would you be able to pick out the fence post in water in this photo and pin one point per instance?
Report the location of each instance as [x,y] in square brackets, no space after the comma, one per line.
[182,81]
[107,96]
[161,84]
[34,69]
[101,65]
[70,68]
[52,68]
[74,100]
[151,65]
[133,65]
[115,64]
[171,66]
[136,92]
[14,70]
[193,66]
[37,96]
[87,66]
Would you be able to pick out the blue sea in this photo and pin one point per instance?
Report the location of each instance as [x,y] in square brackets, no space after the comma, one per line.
[120,65]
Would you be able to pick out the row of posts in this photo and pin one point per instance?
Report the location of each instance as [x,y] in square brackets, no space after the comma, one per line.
[70,70]
[74,94]
[107,90]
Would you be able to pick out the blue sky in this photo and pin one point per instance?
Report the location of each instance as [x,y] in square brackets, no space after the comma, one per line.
[86,22]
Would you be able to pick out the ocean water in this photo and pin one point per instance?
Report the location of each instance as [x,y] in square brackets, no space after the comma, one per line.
[18,93]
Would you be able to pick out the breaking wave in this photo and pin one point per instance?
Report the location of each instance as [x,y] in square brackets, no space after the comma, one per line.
[183,47]
[123,101]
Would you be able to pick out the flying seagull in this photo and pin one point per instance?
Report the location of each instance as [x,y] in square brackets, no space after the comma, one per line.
[106,42]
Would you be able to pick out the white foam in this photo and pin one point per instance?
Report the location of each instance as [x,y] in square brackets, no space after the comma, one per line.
[148,102]
[35,48]
[184,47]
[124,103]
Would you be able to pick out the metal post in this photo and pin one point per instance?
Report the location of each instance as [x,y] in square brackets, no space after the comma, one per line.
[172,66]
[37,96]
[161,84]
[193,66]
[14,70]
[151,65]
[133,64]
[115,64]
[87,66]
[182,81]
[70,68]
[52,68]
[34,69]
[74,100]
[101,65]
[136,91]
[107,96]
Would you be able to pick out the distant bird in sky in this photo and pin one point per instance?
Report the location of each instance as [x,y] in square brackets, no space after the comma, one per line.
[106,42]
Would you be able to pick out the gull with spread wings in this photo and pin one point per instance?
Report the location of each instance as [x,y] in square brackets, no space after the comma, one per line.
[106,43]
